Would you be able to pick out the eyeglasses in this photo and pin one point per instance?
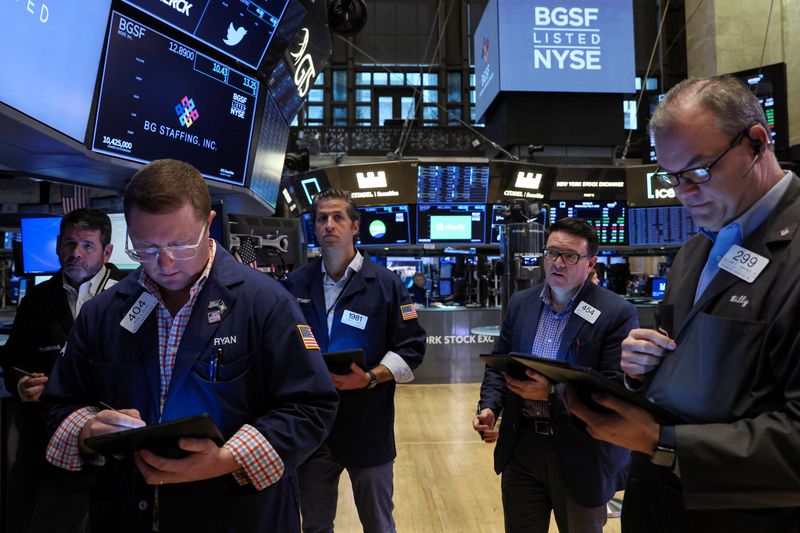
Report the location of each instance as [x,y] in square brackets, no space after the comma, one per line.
[697,175]
[569,258]
[181,252]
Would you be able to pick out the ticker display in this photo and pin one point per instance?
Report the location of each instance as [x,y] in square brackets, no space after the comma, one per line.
[660,226]
[241,29]
[160,98]
[607,218]
[452,183]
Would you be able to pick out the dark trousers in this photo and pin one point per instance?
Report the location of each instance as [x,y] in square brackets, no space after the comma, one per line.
[533,486]
[319,492]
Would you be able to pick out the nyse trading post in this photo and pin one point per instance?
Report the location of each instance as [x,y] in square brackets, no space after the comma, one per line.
[160,98]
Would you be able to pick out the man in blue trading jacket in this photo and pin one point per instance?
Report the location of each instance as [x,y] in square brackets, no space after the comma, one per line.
[43,321]
[352,302]
[727,364]
[548,463]
[191,331]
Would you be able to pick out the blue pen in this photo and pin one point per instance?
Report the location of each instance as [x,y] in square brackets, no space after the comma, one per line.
[213,365]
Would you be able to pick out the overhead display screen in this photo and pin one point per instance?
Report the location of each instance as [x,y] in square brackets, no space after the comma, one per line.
[49,60]
[160,99]
[451,224]
[607,218]
[241,29]
[660,226]
[385,225]
[554,46]
[270,153]
[452,183]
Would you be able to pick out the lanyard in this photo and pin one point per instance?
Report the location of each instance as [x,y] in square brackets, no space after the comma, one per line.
[346,283]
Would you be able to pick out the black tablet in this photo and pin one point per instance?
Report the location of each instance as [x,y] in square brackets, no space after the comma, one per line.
[339,362]
[161,439]
[507,364]
[593,380]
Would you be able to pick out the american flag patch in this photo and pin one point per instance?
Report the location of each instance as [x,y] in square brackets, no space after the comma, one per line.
[409,311]
[308,337]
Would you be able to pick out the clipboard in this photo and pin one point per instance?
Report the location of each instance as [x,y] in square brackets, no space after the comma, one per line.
[339,362]
[505,363]
[591,380]
[161,439]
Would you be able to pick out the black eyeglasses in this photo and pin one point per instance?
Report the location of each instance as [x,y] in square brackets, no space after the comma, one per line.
[570,258]
[697,175]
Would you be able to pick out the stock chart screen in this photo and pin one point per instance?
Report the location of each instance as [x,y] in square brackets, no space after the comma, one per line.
[660,226]
[607,218]
[452,183]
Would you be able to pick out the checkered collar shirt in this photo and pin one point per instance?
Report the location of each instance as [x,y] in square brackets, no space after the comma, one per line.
[170,329]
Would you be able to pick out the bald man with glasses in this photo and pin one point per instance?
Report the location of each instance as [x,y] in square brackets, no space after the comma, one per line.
[727,364]
[547,462]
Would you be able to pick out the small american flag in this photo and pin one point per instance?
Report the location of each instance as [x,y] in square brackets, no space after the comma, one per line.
[73,197]
[409,311]
[247,253]
[307,336]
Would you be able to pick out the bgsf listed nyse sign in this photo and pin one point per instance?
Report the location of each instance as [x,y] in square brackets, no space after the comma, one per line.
[577,46]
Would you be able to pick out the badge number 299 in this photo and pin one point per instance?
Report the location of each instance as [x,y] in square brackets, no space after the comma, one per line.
[743,263]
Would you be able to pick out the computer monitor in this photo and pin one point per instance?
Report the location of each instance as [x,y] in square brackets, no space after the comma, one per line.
[451,224]
[445,287]
[309,235]
[388,225]
[118,232]
[39,238]
[657,288]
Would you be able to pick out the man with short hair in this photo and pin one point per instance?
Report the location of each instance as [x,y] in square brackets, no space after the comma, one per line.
[546,461]
[418,292]
[352,302]
[726,360]
[43,321]
[192,331]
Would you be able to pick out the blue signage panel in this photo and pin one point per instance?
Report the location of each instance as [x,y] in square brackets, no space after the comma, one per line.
[487,59]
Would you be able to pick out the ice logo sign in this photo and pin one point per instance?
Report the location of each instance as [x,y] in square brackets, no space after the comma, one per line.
[371,180]
[187,112]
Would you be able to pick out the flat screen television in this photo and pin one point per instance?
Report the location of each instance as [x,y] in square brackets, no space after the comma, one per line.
[387,225]
[451,223]
[39,238]
[160,98]
[241,29]
[49,59]
[607,218]
[660,226]
[452,183]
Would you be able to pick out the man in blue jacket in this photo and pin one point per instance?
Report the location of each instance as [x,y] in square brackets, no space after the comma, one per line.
[192,331]
[546,461]
[351,302]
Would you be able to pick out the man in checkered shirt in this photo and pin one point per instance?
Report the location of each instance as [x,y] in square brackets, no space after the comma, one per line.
[192,331]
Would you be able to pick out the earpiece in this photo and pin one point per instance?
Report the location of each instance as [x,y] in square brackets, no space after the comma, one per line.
[757,145]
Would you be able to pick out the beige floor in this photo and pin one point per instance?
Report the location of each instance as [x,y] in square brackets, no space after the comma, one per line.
[444,480]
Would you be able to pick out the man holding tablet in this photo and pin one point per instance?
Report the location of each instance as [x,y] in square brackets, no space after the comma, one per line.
[351,303]
[192,331]
[546,461]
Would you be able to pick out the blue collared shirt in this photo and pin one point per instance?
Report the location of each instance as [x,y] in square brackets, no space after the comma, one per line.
[744,225]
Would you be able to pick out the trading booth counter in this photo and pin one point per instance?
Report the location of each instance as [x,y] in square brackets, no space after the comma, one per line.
[451,355]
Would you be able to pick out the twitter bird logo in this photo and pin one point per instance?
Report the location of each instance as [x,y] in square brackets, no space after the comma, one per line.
[235,35]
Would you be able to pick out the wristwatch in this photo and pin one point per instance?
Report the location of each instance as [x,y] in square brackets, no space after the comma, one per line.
[373,380]
[664,453]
